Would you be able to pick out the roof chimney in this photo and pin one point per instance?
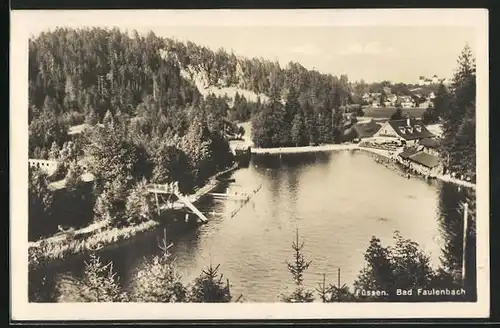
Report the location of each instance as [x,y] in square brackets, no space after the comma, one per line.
[408,121]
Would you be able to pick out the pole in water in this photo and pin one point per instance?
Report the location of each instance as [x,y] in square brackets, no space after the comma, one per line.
[464,243]
[157,203]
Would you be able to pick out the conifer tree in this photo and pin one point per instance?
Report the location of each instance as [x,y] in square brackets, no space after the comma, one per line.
[209,287]
[298,131]
[100,282]
[158,281]
[54,151]
[459,120]
[139,206]
[297,268]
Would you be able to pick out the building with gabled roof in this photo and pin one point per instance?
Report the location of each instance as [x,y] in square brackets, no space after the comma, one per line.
[408,130]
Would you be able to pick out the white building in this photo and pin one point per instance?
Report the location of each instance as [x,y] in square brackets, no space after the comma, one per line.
[421,80]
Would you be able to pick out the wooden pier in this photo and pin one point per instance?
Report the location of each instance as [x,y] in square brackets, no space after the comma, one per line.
[171,189]
[189,200]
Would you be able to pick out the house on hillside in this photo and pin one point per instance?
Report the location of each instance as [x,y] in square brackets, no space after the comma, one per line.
[408,104]
[424,104]
[421,80]
[409,131]
[406,101]
[366,97]
[435,79]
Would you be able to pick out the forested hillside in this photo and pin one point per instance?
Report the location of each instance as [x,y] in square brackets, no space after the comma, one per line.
[146,118]
[79,75]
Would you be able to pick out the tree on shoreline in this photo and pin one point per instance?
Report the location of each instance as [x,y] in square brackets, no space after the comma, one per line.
[209,287]
[100,282]
[459,117]
[158,280]
[402,266]
[297,268]
[41,201]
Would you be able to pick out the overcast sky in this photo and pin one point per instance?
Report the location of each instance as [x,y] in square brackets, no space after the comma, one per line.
[369,52]
[398,54]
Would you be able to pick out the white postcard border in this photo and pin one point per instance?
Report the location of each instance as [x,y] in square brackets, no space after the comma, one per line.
[25,23]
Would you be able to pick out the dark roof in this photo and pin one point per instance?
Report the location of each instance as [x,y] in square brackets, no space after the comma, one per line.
[408,152]
[416,129]
[430,142]
[425,159]
[366,130]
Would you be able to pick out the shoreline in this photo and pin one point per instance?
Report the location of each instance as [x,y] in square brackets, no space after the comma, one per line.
[60,246]
[304,149]
[334,147]
[44,253]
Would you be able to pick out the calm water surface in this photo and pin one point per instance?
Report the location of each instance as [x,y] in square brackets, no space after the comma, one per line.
[337,201]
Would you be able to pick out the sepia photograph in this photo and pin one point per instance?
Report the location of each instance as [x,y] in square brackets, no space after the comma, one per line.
[249,158]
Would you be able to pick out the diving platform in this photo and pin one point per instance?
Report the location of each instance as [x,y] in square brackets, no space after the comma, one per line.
[172,189]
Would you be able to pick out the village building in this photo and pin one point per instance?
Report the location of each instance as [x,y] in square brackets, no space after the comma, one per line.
[409,131]
[407,104]
[430,146]
[425,104]
[406,101]
[404,156]
[392,97]
[366,97]
[421,80]
[425,164]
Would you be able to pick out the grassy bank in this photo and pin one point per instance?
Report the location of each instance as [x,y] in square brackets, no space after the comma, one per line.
[46,251]
[62,245]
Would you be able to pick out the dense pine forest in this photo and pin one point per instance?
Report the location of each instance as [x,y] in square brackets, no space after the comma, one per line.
[79,75]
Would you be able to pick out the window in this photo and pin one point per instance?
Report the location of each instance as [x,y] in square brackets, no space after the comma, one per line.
[418,128]
[409,129]
[402,130]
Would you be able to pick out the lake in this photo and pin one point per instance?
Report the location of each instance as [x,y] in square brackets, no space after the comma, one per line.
[337,201]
